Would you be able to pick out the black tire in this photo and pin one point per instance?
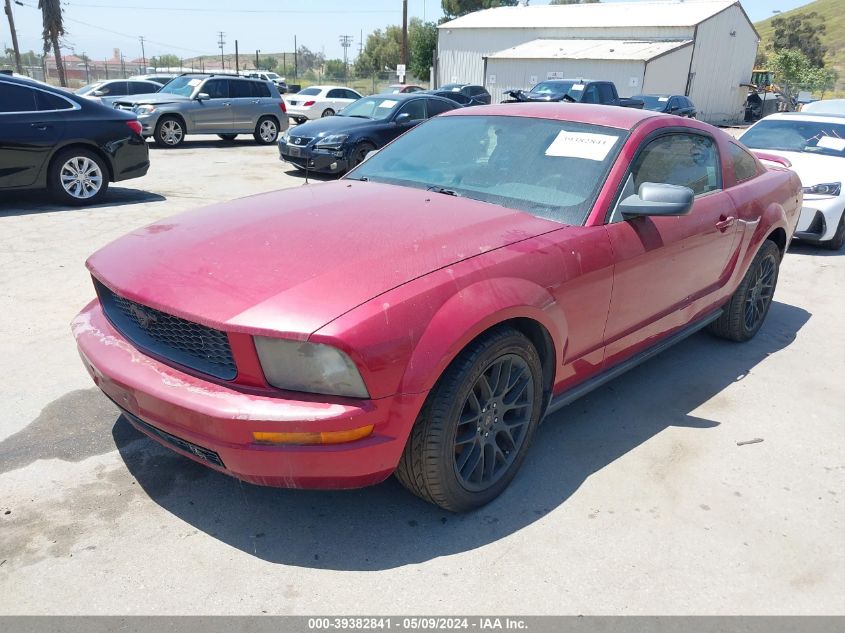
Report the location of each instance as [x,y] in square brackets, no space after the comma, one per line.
[359,152]
[169,132]
[441,467]
[838,239]
[744,314]
[327,112]
[228,137]
[77,177]
[266,130]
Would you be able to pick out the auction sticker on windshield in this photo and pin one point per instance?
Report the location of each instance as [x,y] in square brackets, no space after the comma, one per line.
[581,145]
[832,142]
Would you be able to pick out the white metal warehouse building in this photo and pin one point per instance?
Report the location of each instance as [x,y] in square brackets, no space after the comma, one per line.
[702,49]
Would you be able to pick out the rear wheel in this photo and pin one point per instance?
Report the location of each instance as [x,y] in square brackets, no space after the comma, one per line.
[266,130]
[78,176]
[744,314]
[228,137]
[328,112]
[169,132]
[838,239]
[477,424]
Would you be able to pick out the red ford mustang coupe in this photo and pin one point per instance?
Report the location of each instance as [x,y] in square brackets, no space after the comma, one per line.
[422,315]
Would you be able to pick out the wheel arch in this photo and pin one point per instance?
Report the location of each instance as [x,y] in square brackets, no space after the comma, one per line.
[475,311]
[176,115]
[92,147]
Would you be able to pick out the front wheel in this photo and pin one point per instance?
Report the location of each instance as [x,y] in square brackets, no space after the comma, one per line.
[359,153]
[743,315]
[78,176]
[838,239]
[266,131]
[169,132]
[476,426]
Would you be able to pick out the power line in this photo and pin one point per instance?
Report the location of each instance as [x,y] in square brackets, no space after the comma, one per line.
[205,10]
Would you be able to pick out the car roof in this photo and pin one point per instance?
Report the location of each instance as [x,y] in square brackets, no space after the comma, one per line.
[608,116]
[402,96]
[822,117]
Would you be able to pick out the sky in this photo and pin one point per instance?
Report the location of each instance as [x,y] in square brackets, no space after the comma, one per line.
[188,28]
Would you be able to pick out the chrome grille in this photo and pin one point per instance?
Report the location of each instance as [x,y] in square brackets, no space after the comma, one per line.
[299,141]
[169,337]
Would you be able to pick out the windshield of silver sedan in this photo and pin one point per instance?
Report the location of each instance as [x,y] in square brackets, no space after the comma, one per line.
[551,169]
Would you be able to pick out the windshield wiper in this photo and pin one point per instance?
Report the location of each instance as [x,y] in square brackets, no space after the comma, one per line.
[361,179]
[443,190]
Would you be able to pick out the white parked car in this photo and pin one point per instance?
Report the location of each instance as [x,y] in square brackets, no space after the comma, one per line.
[815,145]
[825,106]
[319,101]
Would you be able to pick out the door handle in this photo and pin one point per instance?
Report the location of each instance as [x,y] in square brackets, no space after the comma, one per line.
[39,126]
[725,223]
[226,105]
[256,100]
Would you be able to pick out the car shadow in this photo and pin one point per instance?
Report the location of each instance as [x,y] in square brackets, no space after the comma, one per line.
[384,526]
[808,248]
[27,202]
[244,140]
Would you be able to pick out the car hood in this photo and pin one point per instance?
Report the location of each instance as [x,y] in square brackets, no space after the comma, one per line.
[153,98]
[291,261]
[330,125]
[812,169]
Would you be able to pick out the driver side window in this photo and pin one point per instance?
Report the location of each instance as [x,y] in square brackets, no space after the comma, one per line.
[688,160]
[415,108]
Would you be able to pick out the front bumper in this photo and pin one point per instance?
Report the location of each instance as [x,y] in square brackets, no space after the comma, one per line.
[820,217]
[320,160]
[148,123]
[213,424]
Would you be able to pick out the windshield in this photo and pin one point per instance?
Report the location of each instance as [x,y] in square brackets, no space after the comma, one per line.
[452,87]
[271,75]
[84,90]
[376,108]
[812,137]
[553,87]
[184,86]
[551,169]
[653,102]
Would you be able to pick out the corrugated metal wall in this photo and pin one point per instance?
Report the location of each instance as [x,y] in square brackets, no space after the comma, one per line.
[721,62]
[460,51]
[668,74]
[506,74]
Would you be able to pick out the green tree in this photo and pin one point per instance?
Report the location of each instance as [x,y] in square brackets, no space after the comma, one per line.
[308,59]
[574,1]
[54,28]
[800,32]
[422,40]
[335,69]
[168,61]
[794,71]
[268,63]
[457,8]
[383,49]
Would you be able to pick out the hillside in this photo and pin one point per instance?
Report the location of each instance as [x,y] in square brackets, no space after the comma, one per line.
[832,13]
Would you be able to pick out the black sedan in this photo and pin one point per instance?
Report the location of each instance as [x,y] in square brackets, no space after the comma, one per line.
[65,143]
[670,104]
[458,97]
[337,143]
[478,94]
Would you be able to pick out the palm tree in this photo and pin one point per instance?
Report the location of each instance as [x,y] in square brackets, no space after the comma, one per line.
[54,28]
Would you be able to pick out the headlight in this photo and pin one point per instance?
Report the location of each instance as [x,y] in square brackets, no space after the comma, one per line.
[145,109]
[825,189]
[333,141]
[309,367]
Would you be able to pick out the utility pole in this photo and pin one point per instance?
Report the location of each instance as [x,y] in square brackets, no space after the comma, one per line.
[404,33]
[143,53]
[87,74]
[256,58]
[237,62]
[346,42]
[221,42]
[14,36]
[295,61]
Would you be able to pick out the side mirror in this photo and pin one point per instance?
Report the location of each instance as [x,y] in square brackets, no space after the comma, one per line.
[674,109]
[203,96]
[658,199]
[98,93]
[405,117]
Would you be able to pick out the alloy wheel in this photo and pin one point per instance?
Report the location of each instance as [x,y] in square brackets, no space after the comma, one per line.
[760,293]
[171,132]
[81,177]
[267,131]
[493,422]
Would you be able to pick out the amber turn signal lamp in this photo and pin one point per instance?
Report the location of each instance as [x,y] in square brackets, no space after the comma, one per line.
[326,437]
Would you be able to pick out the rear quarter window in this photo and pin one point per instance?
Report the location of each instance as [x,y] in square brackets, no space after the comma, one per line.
[743,164]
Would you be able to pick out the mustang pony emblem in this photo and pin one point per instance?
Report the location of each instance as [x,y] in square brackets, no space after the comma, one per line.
[145,319]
